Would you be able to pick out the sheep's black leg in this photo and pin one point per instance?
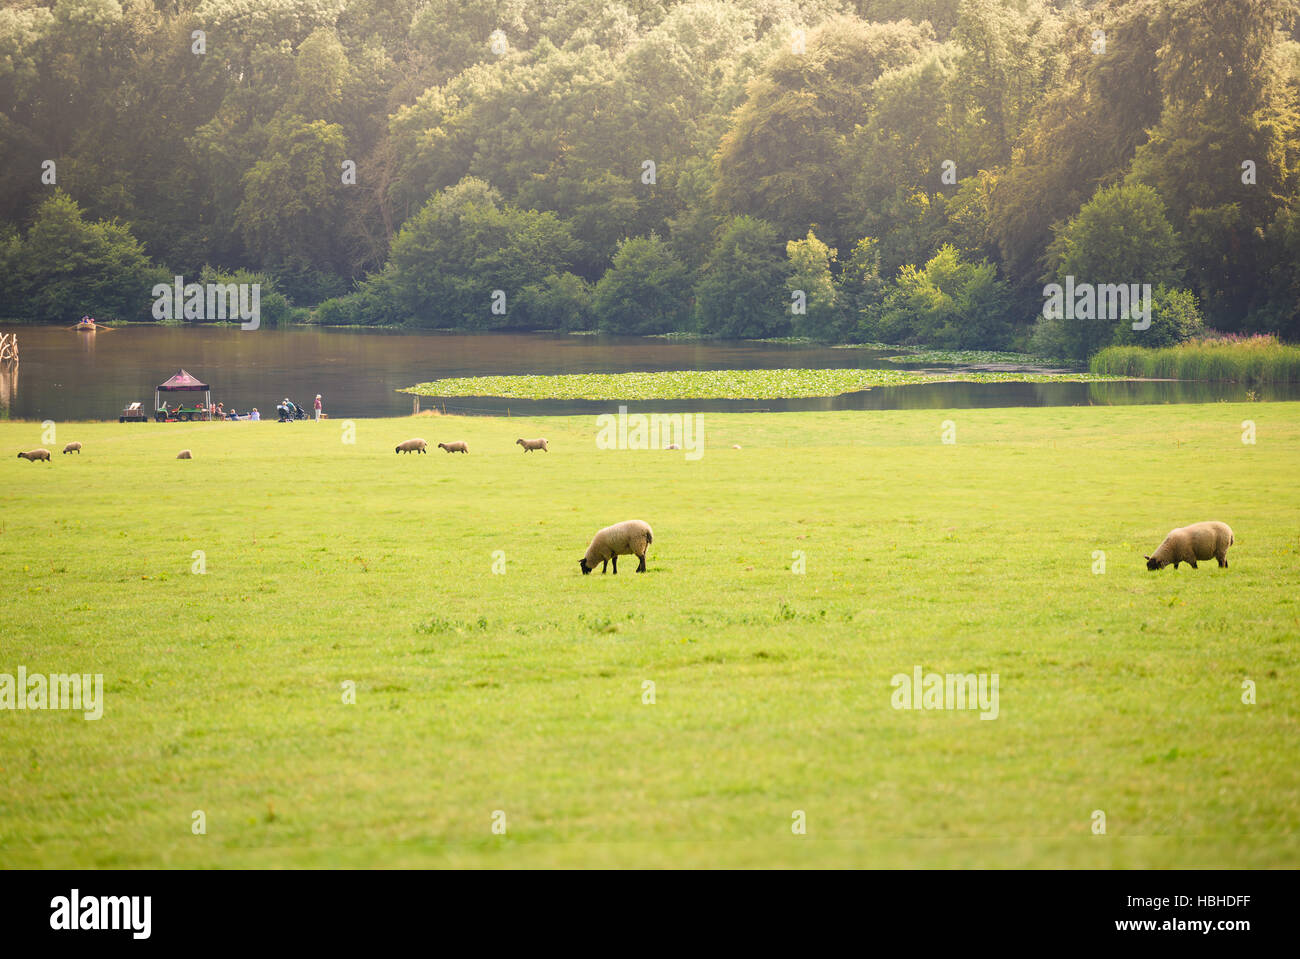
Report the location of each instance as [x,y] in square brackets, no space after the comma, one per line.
[1192,563]
[604,566]
[641,567]
[615,565]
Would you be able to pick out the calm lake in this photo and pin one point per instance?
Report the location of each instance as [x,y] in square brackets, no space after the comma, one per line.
[65,375]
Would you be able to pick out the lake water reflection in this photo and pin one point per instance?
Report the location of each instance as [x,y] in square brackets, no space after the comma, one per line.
[67,375]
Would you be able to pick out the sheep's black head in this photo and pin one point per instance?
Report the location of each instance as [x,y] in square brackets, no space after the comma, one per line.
[585,568]
[1153,563]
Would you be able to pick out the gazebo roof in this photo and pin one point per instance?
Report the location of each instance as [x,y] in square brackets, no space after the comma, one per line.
[183,381]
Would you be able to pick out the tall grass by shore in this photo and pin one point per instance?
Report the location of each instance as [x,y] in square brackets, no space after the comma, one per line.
[1223,358]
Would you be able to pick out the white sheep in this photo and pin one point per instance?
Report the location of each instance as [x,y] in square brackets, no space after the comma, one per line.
[72,448]
[530,445]
[412,446]
[185,455]
[1187,544]
[456,447]
[631,537]
[33,455]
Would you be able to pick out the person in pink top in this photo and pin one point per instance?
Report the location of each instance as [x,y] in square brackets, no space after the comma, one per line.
[318,406]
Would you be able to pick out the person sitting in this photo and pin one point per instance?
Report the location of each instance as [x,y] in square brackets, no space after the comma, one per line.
[255,416]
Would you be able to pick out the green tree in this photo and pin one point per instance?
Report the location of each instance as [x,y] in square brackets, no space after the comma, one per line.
[810,281]
[1120,236]
[67,266]
[465,257]
[1175,318]
[646,290]
[862,292]
[783,157]
[291,216]
[561,301]
[741,290]
[948,303]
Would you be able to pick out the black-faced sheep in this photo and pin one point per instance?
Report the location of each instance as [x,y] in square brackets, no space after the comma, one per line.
[1187,544]
[530,445]
[185,455]
[412,446]
[72,448]
[456,447]
[33,455]
[631,537]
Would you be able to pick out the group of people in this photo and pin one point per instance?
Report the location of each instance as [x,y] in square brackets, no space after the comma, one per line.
[218,411]
[290,410]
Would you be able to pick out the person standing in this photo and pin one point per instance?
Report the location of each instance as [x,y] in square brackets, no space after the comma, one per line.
[318,407]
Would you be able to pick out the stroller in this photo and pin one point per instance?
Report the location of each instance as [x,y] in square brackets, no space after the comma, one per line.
[289,411]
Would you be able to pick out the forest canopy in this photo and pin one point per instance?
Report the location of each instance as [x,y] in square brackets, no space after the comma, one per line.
[909,171]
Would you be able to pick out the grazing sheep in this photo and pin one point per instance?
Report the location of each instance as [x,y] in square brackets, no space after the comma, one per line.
[412,446]
[33,455]
[457,447]
[72,448]
[673,446]
[530,445]
[735,446]
[185,455]
[1187,544]
[629,537]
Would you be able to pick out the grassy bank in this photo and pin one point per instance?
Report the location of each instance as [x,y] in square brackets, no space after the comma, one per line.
[328,563]
[1256,359]
[716,384]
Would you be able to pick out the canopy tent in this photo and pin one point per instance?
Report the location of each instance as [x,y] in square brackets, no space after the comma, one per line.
[183,382]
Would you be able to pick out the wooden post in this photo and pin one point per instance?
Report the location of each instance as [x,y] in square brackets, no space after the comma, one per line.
[415,405]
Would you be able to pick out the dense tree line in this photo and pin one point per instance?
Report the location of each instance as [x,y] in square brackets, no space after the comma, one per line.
[845,170]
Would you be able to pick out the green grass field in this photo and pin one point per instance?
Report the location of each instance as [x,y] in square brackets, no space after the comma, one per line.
[330,563]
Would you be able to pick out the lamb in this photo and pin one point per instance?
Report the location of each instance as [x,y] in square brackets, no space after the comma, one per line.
[72,448]
[1187,544]
[530,445]
[185,455]
[629,537]
[33,455]
[412,446]
[457,447]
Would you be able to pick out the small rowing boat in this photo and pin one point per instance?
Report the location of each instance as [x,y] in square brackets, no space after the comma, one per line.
[87,324]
